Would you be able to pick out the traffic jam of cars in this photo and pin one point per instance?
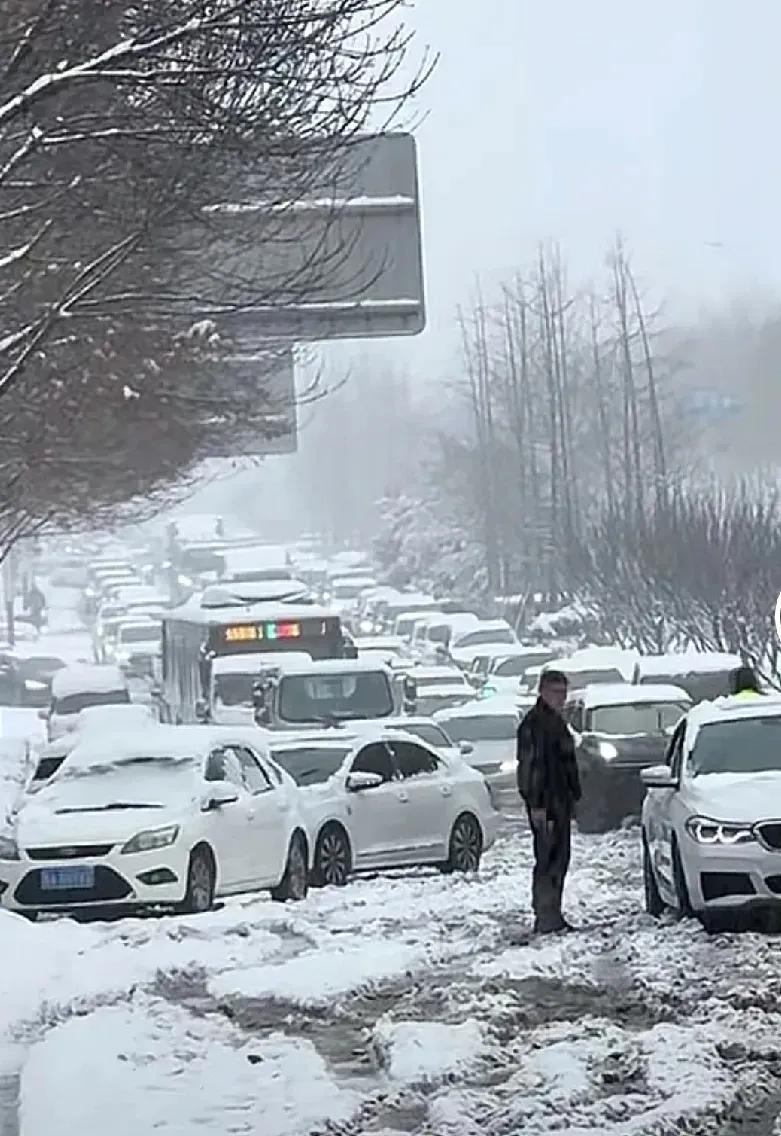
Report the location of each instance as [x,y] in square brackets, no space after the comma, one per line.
[255,717]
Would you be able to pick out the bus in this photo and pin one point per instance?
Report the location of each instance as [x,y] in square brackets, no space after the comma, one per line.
[193,635]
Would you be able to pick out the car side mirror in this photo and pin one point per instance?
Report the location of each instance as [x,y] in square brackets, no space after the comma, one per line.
[202,710]
[466,748]
[658,777]
[360,782]
[43,715]
[221,793]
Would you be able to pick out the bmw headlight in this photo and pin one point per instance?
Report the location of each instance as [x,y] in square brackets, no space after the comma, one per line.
[607,751]
[9,849]
[152,838]
[707,831]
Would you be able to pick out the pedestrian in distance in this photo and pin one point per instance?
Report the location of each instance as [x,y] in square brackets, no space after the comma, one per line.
[549,785]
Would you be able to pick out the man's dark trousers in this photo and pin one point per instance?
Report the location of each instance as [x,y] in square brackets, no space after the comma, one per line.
[551,861]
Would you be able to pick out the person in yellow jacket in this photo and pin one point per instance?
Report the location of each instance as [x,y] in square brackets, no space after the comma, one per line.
[743,683]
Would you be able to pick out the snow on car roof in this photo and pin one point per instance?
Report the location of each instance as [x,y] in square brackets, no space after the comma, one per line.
[338,667]
[597,659]
[687,662]
[238,613]
[113,717]
[437,672]
[496,706]
[379,643]
[88,678]
[488,625]
[621,693]
[259,660]
[156,742]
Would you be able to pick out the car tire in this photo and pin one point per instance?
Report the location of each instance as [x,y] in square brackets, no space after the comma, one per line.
[683,905]
[295,882]
[654,904]
[201,883]
[333,858]
[465,847]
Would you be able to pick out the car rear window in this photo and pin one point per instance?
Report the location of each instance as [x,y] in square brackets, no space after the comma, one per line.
[75,703]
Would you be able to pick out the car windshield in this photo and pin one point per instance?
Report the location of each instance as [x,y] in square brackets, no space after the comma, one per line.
[635,718]
[314,698]
[702,686]
[483,728]
[311,765]
[75,703]
[234,689]
[477,638]
[404,627]
[431,735]
[751,745]
[149,632]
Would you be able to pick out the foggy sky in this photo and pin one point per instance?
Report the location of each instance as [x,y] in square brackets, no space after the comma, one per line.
[567,120]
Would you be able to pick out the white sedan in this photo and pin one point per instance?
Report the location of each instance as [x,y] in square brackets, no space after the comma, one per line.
[168,817]
[711,821]
[384,799]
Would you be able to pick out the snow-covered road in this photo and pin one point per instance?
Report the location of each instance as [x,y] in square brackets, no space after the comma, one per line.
[398,1005]
[401,1004]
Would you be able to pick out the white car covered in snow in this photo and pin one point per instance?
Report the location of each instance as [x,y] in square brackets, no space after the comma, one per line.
[465,646]
[168,817]
[490,726]
[439,687]
[77,687]
[711,820]
[380,798]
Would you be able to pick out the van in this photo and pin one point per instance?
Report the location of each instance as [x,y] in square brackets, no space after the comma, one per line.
[77,687]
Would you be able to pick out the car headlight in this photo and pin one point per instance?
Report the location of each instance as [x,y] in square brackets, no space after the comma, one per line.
[509,765]
[9,849]
[707,831]
[34,684]
[152,838]
[607,751]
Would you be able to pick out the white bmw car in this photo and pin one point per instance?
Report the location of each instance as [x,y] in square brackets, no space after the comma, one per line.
[168,817]
[711,819]
[385,799]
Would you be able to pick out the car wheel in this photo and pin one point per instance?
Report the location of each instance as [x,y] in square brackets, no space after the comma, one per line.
[333,858]
[683,906]
[466,845]
[294,884]
[201,883]
[654,904]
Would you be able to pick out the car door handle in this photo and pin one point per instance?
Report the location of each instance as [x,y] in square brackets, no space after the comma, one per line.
[403,796]
[250,814]
[446,790]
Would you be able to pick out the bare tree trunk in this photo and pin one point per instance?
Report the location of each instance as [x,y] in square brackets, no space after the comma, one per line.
[660,470]
[602,414]
[632,447]
[554,439]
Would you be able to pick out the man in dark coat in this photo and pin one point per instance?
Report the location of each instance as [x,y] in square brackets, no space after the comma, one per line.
[550,787]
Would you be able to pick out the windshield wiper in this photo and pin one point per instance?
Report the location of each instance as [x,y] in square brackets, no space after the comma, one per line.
[115,806]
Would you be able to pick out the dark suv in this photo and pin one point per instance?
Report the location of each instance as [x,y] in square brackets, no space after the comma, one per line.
[619,729]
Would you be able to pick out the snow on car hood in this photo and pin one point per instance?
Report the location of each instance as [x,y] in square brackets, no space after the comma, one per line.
[104,807]
[736,796]
[233,715]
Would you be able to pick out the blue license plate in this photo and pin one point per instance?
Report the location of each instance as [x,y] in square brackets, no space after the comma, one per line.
[65,879]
